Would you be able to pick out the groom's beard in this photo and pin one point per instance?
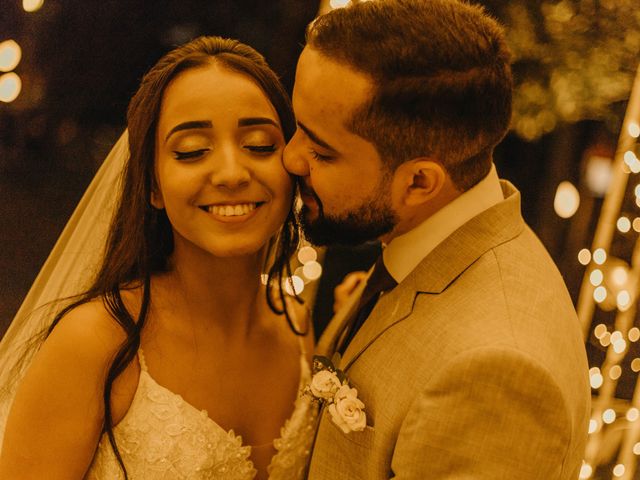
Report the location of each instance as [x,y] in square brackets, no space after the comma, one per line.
[372,219]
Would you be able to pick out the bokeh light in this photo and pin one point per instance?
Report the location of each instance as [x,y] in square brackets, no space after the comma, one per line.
[623,224]
[584,256]
[600,256]
[567,200]
[10,55]
[32,5]
[339,3]
[10,87]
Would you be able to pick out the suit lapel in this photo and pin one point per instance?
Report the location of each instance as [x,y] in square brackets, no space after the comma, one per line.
[441,267]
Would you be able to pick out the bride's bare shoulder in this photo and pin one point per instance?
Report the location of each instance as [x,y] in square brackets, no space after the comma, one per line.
[91,325]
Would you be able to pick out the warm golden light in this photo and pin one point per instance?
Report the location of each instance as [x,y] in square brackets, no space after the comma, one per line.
[634,334]
[596,381]
[615,372]
[598,174]
[10,55]
[10,87]
[633,414]
[584,256]
[616,336]
[312,270]
[624,224]
[634,129]
[623,300]
[632,161]
[600,330]
[596,277]
[593,426]
[32,5]
[585,471]
[605,340]
[635,365]
[339,3]
[636,221]
[294,284]
[600,294]
[609,416]
[567,200]
[307,254]
[599,256]
[636,448]
[618,470]
[619,276]
[619,346]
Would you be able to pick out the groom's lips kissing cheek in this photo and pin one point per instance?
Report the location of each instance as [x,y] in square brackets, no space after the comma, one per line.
[309,198]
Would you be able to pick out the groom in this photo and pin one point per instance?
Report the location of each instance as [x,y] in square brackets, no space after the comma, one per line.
[471,364]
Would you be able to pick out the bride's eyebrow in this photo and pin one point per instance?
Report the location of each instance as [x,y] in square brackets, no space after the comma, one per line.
[195,124]
[250,121]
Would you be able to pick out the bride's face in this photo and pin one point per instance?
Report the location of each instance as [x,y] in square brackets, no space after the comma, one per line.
[218,163]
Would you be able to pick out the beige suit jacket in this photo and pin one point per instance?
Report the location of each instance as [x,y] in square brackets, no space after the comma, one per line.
[472,368]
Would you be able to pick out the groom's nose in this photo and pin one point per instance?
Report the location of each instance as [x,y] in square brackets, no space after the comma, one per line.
[293,158]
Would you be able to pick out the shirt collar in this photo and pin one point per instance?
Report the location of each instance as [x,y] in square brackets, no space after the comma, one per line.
[406,251]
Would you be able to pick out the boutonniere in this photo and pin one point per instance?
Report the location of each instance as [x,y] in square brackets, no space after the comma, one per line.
[330,386]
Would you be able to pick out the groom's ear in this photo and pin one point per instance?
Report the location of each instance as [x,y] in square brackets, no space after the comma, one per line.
[423,179]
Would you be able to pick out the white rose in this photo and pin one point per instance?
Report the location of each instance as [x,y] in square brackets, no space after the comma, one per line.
[347,410]
[325,384]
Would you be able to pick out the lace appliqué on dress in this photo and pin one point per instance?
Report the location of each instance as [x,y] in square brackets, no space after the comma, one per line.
[296,437]
[164,437]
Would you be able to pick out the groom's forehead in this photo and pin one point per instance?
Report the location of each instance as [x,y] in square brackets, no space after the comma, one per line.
[328,91]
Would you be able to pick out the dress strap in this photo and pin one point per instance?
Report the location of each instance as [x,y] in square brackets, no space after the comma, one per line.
[142,361]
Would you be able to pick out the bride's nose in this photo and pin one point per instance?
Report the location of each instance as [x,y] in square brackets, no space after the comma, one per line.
[229,170]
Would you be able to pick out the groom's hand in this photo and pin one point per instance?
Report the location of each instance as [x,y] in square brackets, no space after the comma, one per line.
[342,292]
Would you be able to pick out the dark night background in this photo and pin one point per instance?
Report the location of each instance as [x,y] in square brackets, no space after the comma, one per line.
[82,60]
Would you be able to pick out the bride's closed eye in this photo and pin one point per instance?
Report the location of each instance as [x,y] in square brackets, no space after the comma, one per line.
[264,149]
[191,154]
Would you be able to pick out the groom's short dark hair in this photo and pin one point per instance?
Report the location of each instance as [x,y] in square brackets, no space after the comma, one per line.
[442,79]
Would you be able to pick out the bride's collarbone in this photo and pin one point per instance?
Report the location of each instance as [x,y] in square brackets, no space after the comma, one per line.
[247,387]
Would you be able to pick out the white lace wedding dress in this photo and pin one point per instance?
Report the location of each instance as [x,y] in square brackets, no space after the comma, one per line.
[164,437]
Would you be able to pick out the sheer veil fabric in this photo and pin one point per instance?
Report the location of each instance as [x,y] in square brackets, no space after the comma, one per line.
[68,271]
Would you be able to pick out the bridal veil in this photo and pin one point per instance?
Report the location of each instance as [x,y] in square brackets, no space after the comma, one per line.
[68,271]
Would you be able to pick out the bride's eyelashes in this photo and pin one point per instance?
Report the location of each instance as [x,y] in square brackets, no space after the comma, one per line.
[190,154]
[265,149]
[193,154]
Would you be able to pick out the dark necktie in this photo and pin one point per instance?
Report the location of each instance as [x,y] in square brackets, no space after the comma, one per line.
[380,281]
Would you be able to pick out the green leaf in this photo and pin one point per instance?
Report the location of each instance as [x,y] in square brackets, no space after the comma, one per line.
[320,363]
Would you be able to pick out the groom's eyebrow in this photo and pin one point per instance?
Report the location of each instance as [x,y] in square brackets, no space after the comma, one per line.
[195,124]
[315,137]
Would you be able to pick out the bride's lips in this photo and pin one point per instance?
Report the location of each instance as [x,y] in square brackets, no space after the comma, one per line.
[232,212]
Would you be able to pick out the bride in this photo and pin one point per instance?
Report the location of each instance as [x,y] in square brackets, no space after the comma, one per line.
[177,361]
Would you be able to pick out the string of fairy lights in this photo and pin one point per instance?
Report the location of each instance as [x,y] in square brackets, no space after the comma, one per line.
[607,302]
[10,56]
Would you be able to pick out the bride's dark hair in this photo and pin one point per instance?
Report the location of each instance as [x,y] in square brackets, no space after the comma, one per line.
[140,238]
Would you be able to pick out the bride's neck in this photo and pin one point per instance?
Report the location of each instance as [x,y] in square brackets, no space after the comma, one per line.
[226,291]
